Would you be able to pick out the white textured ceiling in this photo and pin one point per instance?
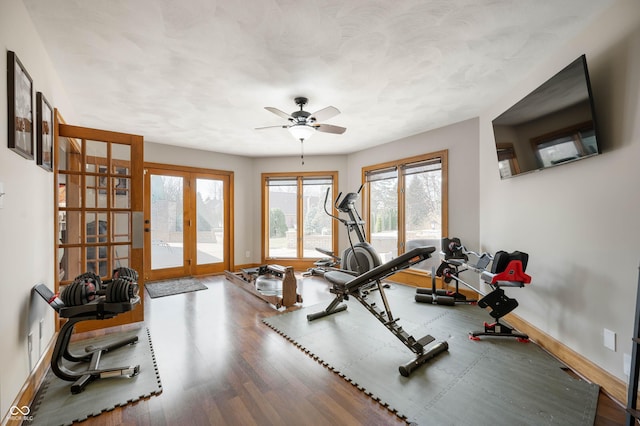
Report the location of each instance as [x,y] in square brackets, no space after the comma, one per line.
[198,73]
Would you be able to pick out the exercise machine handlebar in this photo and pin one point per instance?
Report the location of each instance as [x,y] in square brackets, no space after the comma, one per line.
[346,204]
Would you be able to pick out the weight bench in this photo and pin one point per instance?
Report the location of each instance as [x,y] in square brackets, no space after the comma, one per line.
[98,309]
[344,285]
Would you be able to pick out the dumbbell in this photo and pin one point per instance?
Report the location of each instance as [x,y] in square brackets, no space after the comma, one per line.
[123,286]
[83,289]
[88,286]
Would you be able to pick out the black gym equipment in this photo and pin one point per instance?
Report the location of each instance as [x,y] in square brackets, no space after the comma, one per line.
[345,285]
[453,264]
[87,287]
[358,258]
[507,270]
[90,299]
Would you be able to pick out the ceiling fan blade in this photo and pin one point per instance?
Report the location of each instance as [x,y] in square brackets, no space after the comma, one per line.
[279,113]
[325,113]
[329,128]
[272,127]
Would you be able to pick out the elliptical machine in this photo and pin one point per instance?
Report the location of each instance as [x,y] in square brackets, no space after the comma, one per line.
[359,257]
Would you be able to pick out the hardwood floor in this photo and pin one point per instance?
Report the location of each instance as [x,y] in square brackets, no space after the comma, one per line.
[219,365]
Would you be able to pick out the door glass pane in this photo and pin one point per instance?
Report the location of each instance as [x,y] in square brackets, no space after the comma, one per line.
[167,236]
[384,217]
[97,260]
[317,223]
[91,192]
[121,168]
[120,155]
[96,160]
[69,154]
[70,263]
[209,221]
[283,218]
[121,222]
[120,256]
[121,192]
[69,191]
[70,223]
[97,232]
[423,210]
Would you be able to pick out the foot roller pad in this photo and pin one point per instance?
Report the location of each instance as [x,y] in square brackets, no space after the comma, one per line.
[426,340]
[500,304]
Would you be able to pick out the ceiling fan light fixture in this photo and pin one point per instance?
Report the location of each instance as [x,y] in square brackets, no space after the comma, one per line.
[301,131]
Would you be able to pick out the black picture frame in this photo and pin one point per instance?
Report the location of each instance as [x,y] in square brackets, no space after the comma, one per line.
[44,132]
[20,107]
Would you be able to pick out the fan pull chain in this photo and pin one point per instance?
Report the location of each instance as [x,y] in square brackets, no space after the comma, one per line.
[302,151]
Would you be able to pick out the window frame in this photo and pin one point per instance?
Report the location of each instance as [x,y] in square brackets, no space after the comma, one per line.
[299,262]
[399,165]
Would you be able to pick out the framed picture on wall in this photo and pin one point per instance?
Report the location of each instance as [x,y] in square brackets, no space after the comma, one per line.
[20,107]
[44,132]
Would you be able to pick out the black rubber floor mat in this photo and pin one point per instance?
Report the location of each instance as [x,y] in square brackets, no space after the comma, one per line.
[493,381]
[54,403]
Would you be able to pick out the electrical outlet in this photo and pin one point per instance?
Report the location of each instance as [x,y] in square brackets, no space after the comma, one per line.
[41,329]
[610,339]
[247,254]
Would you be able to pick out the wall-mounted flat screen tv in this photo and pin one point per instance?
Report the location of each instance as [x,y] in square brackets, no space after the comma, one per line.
[553,125]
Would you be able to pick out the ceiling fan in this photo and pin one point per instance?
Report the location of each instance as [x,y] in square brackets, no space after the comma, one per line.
[303,124]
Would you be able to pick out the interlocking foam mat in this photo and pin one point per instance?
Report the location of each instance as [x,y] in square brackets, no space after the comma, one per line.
[55,405]
[494,381]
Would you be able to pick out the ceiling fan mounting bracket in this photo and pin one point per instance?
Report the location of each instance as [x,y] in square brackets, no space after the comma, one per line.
[301,101]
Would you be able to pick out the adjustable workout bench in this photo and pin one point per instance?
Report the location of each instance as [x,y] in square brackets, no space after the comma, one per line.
[345,285]
[97,309]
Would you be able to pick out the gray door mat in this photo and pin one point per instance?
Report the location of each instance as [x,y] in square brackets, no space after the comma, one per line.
[494,381]
[55,405]
[171,287]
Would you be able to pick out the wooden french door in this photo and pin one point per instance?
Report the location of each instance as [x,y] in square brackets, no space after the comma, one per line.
[187,221]
[99,209]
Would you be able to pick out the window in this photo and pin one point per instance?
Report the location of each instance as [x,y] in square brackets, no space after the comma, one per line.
[295,223]
[406,205]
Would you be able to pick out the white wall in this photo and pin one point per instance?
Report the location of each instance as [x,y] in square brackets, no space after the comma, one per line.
[579,222]
[26,221]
